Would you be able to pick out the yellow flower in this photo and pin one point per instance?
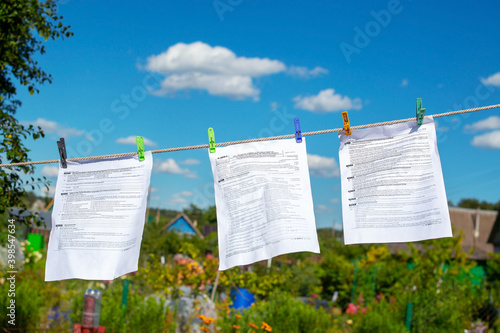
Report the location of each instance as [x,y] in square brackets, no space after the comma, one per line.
[237,316]
[253,325]
[266,327]
[208,321]
[202,317]
[349,322]
[236,326]
[204,329]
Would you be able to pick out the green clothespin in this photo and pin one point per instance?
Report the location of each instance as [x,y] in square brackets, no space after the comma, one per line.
[420,112]
[211,139]
[140,147]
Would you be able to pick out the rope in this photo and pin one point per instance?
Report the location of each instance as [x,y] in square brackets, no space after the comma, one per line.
[287,136]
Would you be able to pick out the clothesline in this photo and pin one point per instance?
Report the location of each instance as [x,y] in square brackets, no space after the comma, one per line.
[286,136]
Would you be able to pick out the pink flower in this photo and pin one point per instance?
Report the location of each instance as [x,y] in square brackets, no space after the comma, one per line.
[363,310]
[351,309]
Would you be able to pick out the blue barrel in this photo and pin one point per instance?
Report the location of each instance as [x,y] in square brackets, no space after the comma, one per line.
[241,298]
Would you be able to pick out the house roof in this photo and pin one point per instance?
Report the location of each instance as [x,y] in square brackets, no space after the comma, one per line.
[464,220]
[495,232]
[474,235]
[184,217]
[45,217]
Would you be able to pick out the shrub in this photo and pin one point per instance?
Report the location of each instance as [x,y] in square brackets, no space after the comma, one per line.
[283,313]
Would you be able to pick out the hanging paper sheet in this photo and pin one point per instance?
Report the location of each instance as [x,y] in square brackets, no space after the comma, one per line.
[392,184]
[264,202]
[98,218]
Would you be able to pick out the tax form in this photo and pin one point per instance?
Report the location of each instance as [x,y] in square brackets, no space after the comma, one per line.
[392,184]
[98,218]
[263,200]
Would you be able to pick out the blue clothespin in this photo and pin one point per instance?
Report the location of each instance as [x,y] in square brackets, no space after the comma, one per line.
[420,112]
[139,140]
[298,133]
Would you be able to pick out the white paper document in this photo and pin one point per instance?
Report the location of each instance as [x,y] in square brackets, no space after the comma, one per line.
[392,184]
[264,202]
[98,218]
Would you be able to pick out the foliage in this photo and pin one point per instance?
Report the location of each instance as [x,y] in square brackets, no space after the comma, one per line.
[302,277]
[336,275]
[259,281]
[375,288]
[493,276]
[283,313]
[24,25]
[475,203]
[439,286]
[200,276]
[159,242]
[337,266]
[203,217]
[34,298]
[381,316]
[142,313]
[29,300]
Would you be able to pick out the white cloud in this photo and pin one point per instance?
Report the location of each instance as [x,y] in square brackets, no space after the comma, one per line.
[203,58]
[50,171]
[130,140]
[321,208]
[190,161]
[179,199]
[215,69]
[233,87]
[327,101]
[306,73]
[404,83]
[52,127]
[171,167]
[490,123]
[493,80]
[489,140]
[320,166]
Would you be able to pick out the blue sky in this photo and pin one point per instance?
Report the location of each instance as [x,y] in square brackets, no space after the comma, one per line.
[168,70]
